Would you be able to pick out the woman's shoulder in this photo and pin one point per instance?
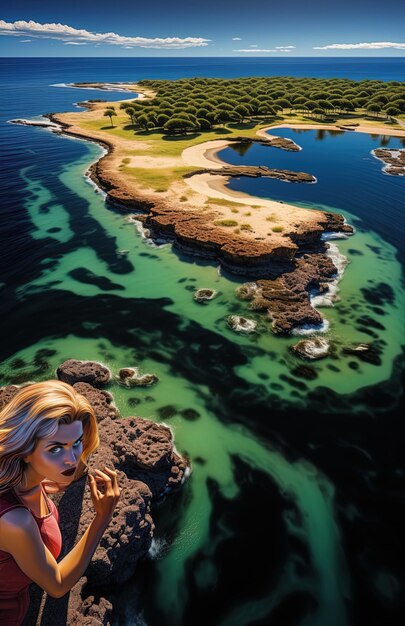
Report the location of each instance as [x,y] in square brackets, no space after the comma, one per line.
[14,523]
[15,514]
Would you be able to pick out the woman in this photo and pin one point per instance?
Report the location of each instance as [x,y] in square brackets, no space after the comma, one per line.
[47,431]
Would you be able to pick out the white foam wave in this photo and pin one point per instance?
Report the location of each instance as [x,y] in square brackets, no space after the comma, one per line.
[158,548]
[105,87]
[330,296]
[311,329]
[144,232]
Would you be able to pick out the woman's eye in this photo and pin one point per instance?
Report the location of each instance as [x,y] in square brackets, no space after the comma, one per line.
[55,450]
[78,443]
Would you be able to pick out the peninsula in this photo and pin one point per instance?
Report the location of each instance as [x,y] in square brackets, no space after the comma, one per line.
[161,164]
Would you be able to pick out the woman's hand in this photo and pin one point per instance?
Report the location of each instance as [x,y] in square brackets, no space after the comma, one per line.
[104,501]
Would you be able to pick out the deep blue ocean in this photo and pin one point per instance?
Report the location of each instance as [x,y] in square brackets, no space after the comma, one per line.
[294,513]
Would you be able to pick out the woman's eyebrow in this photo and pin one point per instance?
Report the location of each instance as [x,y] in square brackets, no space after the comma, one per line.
[60,443]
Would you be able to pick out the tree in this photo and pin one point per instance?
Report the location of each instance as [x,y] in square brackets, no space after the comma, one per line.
[204,124]
[222,116]
[178,124]
[162,119]
[110,113]
[374,108]
[399,104]
[283,103]
[392,111]
[241,111]
[131,112]
[143,121]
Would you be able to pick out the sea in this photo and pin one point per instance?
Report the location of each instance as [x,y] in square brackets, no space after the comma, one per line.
[293,514]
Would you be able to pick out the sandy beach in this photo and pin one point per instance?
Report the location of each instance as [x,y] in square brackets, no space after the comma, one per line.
[205,155]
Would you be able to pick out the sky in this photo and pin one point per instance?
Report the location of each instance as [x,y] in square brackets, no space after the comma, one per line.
[178,28]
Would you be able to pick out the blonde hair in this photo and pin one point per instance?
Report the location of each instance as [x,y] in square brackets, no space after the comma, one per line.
[35,412]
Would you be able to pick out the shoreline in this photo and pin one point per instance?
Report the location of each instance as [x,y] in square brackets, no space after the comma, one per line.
[194,228]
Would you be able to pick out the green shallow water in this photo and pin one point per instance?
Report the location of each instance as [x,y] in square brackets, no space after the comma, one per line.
[371,262]
[160,273]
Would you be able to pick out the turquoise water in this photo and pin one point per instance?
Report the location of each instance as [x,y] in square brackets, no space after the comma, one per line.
[292,510]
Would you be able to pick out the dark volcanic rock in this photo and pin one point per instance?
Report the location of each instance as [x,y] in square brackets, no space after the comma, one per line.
[101,401]
[257,171]
[287,297]
[7,393]
[42,124]
[131,377]
[72,371]
[366,352]
[394,160]
[149,468]
[275,142]
[203,294]
[311,349]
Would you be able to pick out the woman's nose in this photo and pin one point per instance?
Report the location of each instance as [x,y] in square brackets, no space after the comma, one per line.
[70,457]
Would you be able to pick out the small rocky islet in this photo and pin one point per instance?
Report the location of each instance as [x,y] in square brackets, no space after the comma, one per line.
[394,160]
[149,468]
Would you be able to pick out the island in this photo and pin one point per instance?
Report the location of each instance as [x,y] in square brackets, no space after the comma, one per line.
[161,165]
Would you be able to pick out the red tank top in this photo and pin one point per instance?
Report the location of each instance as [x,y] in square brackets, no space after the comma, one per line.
[14,584]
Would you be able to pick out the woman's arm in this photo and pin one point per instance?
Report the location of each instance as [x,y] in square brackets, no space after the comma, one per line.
[21,535]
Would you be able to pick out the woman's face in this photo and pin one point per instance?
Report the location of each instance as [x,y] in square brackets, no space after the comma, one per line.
[56,456]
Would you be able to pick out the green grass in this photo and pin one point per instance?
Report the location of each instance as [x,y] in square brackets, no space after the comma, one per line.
[277,229]
[157,179]
[225,223]
[223,202]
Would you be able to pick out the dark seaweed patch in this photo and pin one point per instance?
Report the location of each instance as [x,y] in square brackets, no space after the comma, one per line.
[369,321]
[166,412]
[380,294]
[88,277]
[190,414]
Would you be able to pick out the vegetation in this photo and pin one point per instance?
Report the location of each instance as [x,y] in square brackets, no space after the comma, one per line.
[200,104]
[110,112]
[226,223]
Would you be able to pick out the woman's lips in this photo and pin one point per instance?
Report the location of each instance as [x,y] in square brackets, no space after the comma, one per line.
[69,472]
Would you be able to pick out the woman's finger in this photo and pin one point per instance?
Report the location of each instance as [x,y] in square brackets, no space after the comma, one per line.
[114,477]
[107,483]
[93,487]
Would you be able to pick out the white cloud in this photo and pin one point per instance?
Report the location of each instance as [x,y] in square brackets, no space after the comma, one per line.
[262,50]
[376,45]
[63,32]
[25,40]
[74,43]
[285,47]
[253,45]
[236,39]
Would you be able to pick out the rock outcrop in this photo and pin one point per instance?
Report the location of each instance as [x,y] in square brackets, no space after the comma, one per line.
[149,468]
[275,142]
[72,371]
[203,294]
[40,123]
[255,171]
[241,324]
[131,377]
[287,297]
[312,349]
[394,160]
[366,352]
